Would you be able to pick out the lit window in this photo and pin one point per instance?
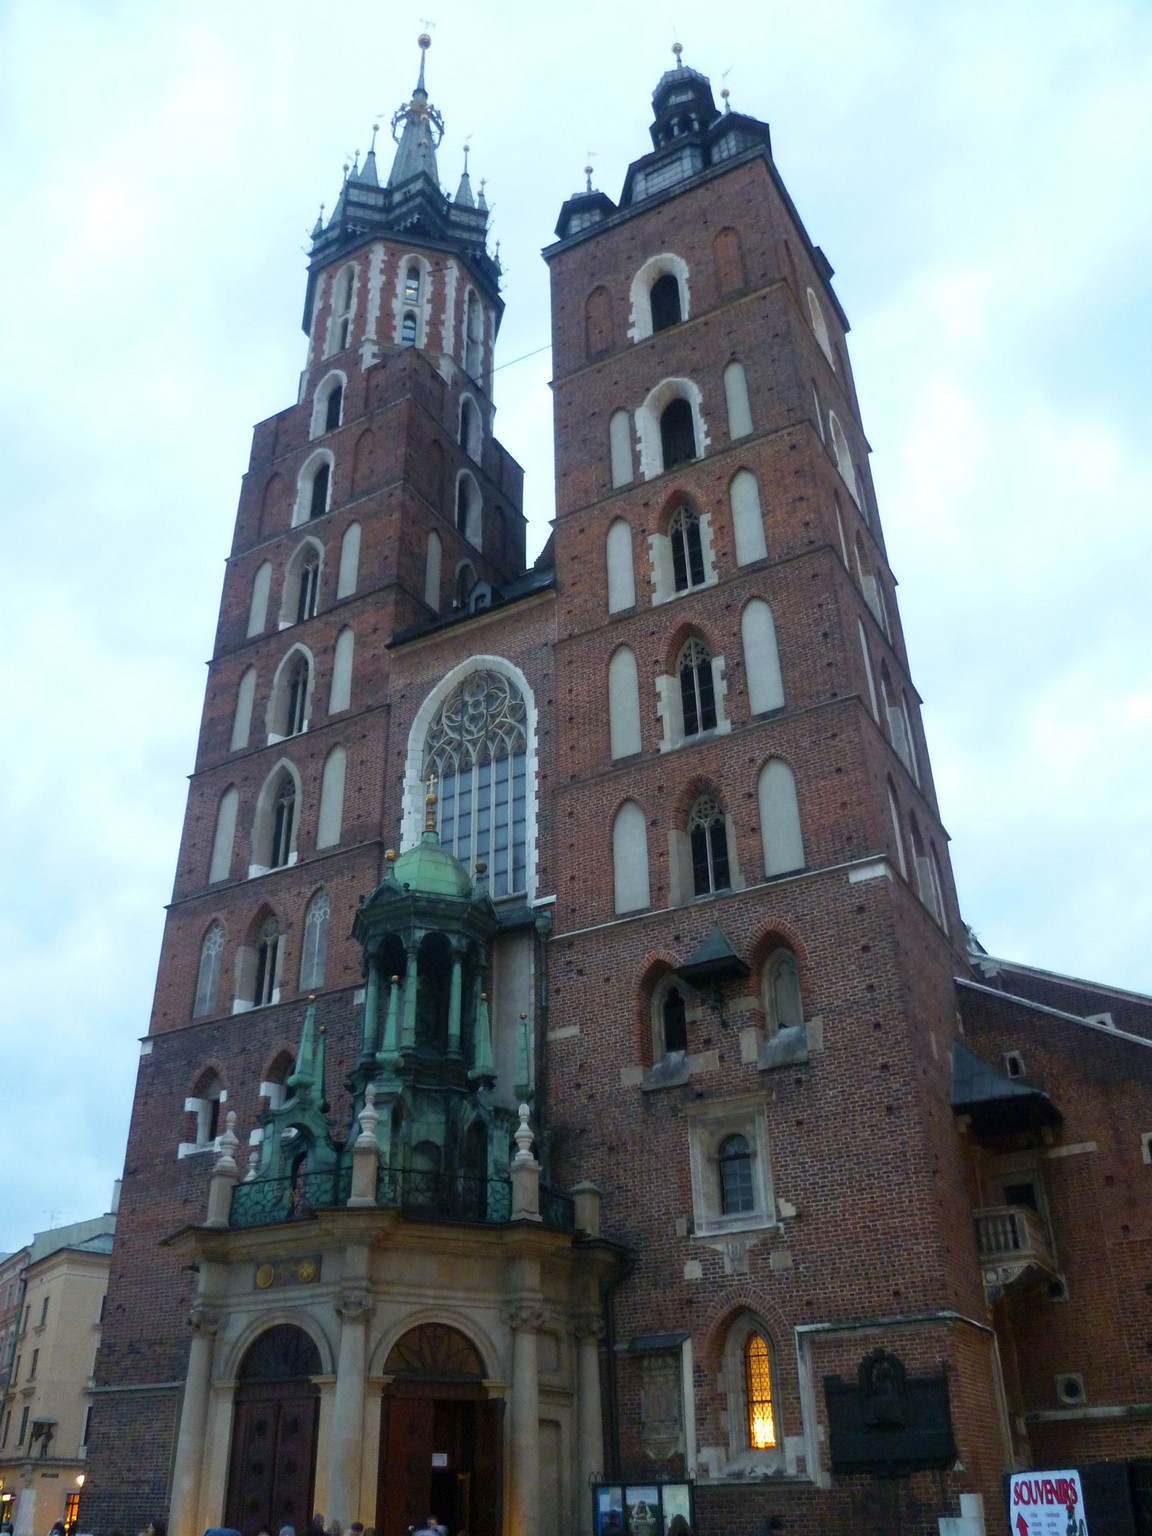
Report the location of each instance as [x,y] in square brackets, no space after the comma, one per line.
[758,1390]
[697,690]
[477,748]
[708,836]
[687,550]
[412,285]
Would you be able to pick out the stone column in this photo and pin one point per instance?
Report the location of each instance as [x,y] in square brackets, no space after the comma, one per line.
[365,1154]
[455,1003]
[225,1176]
[389,1053]
[588,1331]
[371,1011]
[525,1320]
[411,986]
[354,1308]
[184,1510]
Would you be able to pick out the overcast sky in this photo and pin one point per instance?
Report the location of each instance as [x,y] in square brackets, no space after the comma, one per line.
[977,172]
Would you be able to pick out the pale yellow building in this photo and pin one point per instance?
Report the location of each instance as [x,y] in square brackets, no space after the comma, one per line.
[54,1314]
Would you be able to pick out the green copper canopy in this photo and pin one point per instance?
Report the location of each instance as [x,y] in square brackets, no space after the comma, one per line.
[430,870]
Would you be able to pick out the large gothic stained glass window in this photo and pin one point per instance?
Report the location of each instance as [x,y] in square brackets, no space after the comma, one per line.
[477,748]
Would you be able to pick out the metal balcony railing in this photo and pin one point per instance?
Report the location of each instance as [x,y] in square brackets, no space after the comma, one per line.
[415,1192]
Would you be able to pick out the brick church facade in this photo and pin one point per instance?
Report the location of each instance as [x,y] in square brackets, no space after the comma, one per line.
[571,1101]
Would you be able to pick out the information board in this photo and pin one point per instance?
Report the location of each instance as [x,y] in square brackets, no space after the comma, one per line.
[1046,1504]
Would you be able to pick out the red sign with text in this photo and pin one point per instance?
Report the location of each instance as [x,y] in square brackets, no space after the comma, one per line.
[1046,1504]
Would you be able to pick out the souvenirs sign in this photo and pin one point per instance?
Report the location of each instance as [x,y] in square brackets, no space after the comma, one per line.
[1046,1504]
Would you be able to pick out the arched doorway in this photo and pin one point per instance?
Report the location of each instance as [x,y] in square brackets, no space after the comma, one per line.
[440,1436]
[273,1463]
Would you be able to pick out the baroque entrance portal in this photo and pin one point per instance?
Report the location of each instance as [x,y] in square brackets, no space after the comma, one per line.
[440,1437]
[272,1466]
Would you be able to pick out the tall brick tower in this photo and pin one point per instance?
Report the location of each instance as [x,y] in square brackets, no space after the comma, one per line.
[755,1015]
[548,1083]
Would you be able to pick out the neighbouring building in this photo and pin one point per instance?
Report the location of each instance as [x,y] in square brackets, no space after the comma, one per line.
[51,1308]
[571,1093]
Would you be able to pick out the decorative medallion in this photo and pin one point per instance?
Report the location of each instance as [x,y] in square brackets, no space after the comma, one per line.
[274,1274]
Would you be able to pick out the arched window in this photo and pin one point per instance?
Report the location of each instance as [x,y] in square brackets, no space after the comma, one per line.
[783,1002]
[474,330]
[208,974]
[242,714]
[476,746]
[333,408]
[340,325]
[264,988]
[412,285]
[737,1187]
[897,834]
[729,260]
[462,587]
[468,509]
[697,688]
[868,677]
[664,298]
[318,491]
[894,714]
[330,819]
[296,697]
[674,1021]
[621,576]
[349,572]
[708,839]
[760,1421]
[819,326]
[779,819]
[736,400]
[761,658]
[630,859]
[432,571]
[597,322]
[687,550]
[408,329]
[747,517]
[283,822]
[623,703]
[220,866]
[207,1097]
[620,448]
[470,432]
[307,588]
[677,434]
[843,456]
[314,950]
[258,607]
[340,693]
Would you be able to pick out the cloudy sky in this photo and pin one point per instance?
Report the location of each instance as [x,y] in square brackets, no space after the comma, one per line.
[977,172]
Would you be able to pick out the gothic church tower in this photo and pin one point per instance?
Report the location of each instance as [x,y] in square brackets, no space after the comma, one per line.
[547,1092]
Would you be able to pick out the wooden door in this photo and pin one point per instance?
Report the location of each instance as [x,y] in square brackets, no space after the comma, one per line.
[273,1456]
[405,1464]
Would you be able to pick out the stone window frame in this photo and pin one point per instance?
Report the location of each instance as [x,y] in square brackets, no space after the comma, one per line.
[665,264]
[661,564]
[708,1125]
[202,1104]
[302,507]
[334,379]
[742,1459]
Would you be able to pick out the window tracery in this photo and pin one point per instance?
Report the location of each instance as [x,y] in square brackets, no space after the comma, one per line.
[477,748]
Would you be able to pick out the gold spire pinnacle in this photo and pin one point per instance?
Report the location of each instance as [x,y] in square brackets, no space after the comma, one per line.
[430,803]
